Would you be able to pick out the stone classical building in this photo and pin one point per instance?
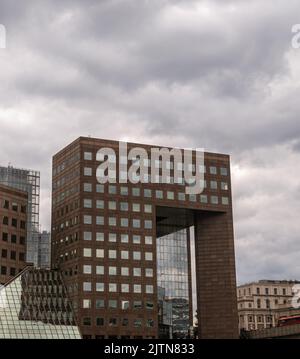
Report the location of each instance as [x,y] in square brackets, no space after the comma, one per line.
[262,303]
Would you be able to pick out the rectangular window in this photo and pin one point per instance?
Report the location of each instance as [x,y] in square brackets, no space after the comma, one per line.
[87,321]
[99,253]
[136,207]
[213,170]
[137,255]
[88,171]
[148,256]
[159,194]
[224,186]
[99,237]
[148,208]
[87,269]
[100,188]
[87,236]
[224,171]
[193,198]
[99,287]
[112,205]
[136,192]
[87,203]
[112,304]
[112,189]
[125,288]
[148,224]
[125,305]
[136,239]
[170,195]
[113,322]
[225,201]
[124,271]
[137,288]
[99,220]
[124,238]
[99,322]
[100,270]
[148,240]
[214,200]
[112,221]
[112,270]
[203,198]
[112,254]
[87,252]
[149,272]
[87,286]
[149,289]
[137,272]
[87,187]
[124,206]
[150,323]
[112,287]
[100,204]
[99,303]
[87,219]
[112,237]
[88,156]
[213,184]
[136,223]
[147,193]
[124,191]
[124,255]
[124,222]
[181,196]
[137,304]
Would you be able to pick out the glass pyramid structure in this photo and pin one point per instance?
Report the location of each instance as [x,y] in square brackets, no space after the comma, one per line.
[35,305]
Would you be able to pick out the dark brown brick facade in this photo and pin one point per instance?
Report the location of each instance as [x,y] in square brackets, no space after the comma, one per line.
[91,292]
[13,217]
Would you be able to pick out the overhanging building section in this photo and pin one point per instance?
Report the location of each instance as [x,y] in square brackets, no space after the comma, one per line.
[108,238]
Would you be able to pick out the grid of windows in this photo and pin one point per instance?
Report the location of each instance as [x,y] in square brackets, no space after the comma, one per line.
[13,232]
[117,238]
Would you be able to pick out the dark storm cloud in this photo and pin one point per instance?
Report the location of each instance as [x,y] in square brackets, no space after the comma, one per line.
[218,74]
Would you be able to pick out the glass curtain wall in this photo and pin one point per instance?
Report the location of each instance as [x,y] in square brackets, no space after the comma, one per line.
[173,285]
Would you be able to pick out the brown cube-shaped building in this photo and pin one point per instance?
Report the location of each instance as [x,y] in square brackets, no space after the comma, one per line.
[13,217]
[135,254]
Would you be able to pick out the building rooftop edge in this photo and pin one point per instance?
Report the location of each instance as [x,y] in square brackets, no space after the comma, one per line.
[22,169]
[95,139]
[13,190]
[270,281]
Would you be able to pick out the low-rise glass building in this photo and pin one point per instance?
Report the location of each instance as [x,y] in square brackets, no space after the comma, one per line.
[35,305]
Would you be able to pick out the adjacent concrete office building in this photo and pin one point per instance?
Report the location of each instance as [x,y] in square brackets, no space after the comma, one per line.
[133,254]
[27,181]
[13,221]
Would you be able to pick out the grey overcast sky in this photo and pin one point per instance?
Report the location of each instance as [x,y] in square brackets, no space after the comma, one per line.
[215,74]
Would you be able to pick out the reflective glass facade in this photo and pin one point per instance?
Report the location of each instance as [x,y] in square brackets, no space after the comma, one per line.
[173,283]
[29,182]
[34,305]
